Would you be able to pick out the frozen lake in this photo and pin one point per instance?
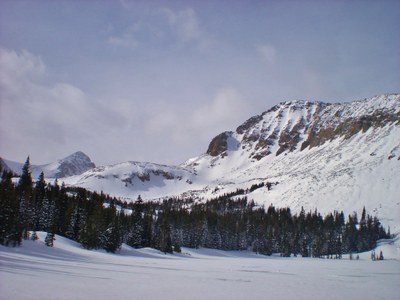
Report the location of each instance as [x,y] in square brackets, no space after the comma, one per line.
[66,271]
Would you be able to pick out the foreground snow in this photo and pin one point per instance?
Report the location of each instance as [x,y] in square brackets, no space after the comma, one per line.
[67,271]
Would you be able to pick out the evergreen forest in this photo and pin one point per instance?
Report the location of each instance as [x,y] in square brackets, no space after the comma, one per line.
[228,222]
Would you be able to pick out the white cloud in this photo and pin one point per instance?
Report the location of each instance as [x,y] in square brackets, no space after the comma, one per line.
[225,110]
[124,40]
[156,29]
[127,38]
[41,118]
[20,65]
[268,53]
[200,124]
[184,23]
[17,69]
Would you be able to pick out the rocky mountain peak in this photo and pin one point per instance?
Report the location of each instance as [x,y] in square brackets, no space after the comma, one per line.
[74,164]
[300,124]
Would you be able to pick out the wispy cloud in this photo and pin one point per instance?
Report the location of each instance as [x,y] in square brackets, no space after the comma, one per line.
[185,26]
[124,40]
[162,27]
[268,53]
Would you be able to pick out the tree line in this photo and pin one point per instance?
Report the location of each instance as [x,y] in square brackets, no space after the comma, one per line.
[228,222]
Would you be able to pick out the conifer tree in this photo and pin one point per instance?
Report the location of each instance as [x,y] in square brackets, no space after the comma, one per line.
[10,229]
[164,237]
[136,230]
[362,237]
[39,196]
[350,233]
[62,210]
[24,189]
[111,238]
[49,239]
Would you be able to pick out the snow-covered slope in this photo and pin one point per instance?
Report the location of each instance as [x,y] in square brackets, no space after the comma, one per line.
[74,164]
[326,156]
[131,179]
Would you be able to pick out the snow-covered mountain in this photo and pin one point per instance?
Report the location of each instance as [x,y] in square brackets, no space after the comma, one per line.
[74,164]
[327,156]
[323,155]
[330,156]
[131,179]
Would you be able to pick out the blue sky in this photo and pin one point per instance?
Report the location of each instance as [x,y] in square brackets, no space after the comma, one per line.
[157,80]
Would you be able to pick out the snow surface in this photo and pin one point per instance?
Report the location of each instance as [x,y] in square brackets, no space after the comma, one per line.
[66,271]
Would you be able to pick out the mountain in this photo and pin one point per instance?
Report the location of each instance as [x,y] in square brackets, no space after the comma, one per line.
[74,164]
[339,156]
[4,166]
[329,156]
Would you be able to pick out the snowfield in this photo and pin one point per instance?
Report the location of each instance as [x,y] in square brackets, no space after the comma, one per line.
[66,271]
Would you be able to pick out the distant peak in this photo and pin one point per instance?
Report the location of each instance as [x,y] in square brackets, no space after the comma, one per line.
[79,155]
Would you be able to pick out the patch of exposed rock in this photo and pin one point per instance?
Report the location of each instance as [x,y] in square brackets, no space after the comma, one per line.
[219,144]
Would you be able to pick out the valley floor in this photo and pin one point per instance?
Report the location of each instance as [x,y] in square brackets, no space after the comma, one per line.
[67,271]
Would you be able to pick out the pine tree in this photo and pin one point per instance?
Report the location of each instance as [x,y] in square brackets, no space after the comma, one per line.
[10,229]
[148,230]
[62,211]
[350,235]
[362,237]
[110,236]
[49,240]
[39,196]
[25,182]
[24,189]
[164,237]
[177,248]
[136,230]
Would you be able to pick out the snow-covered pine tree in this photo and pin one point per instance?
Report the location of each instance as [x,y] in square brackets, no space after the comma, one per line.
[136,229]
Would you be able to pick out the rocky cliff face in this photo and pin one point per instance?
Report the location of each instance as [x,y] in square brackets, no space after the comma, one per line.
[302,124]
[219,144]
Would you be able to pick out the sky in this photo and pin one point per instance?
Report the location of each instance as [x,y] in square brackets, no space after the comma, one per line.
[157,80]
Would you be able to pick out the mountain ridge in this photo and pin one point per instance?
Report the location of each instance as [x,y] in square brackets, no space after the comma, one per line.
[74,164]
[330,156]
[317,121]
